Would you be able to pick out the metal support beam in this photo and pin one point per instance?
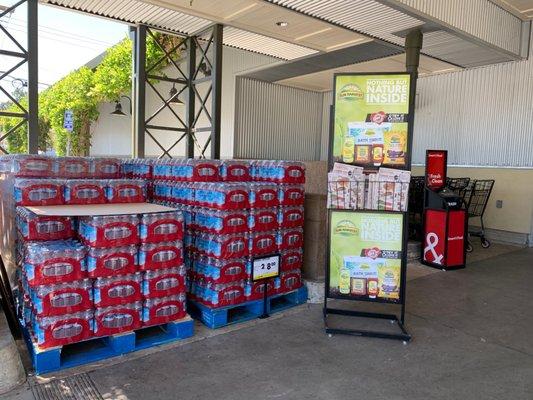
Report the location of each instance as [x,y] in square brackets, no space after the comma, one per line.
[139,86]
[33,70]
[191,97]
[413,45]
[216,95]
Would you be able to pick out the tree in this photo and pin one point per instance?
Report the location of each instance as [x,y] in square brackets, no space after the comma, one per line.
[81,91]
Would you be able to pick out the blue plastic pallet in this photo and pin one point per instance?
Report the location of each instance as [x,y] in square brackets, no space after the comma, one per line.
[97,349]
[223,316]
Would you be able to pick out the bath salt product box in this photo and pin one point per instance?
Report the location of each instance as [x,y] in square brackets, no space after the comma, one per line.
[372,191]
[347,170]
[394,189]
[346,191]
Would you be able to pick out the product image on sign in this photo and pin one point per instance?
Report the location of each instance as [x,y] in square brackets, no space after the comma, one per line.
[371,119]
[265,267]
[365,255]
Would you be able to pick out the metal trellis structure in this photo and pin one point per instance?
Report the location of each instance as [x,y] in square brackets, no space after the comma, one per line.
[197,76]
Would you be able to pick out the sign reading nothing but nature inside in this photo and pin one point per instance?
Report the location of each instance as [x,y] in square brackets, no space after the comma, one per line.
[365,255]
[371,119]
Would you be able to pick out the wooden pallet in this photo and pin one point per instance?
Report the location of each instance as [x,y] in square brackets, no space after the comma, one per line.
[223,316]
[101,348]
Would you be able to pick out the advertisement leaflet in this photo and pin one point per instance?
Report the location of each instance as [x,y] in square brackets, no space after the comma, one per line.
[371,119]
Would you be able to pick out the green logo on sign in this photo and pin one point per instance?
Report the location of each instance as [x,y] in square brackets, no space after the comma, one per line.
[351,92]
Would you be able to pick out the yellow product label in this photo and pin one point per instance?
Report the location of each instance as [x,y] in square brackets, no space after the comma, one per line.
[358,286]
[395,142]
[362,153]
[344,281]
[389,281]
[348,149]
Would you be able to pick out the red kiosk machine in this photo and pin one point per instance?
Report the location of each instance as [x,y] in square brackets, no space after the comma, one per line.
[445,217]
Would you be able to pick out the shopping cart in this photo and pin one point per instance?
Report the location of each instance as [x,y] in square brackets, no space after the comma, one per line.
[416,207]
[458,185]
[476,197]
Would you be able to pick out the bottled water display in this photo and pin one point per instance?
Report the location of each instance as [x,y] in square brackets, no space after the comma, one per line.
[38,192]
[54,262]
[37,227]
[115,290]
[84,191]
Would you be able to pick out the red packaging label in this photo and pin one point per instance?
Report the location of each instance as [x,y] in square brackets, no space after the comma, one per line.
[65,301]
[68,330]
[116,320]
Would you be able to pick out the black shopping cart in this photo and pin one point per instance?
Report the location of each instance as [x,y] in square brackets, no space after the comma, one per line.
[458,185]
[416,207]
[477,197]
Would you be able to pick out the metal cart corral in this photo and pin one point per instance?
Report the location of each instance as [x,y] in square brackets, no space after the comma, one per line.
[458,185]
[477,197]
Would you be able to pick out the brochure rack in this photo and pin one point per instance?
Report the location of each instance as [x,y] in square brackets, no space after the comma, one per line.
[367,245]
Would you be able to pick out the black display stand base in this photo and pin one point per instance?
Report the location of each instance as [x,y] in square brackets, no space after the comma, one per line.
[403,336]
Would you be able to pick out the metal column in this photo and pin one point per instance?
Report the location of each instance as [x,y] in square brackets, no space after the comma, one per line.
[33,71]
[191,97]
[139,86]
[22,56]
[216,96]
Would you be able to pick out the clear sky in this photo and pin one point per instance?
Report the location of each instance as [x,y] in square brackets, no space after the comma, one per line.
[67,40]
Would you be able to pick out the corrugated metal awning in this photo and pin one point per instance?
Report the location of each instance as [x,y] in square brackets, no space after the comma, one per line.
[138,12]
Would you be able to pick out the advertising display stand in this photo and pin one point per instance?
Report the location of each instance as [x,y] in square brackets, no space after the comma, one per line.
[368,184]
[445,219]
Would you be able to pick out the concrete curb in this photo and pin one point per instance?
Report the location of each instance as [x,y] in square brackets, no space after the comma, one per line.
[11,370]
